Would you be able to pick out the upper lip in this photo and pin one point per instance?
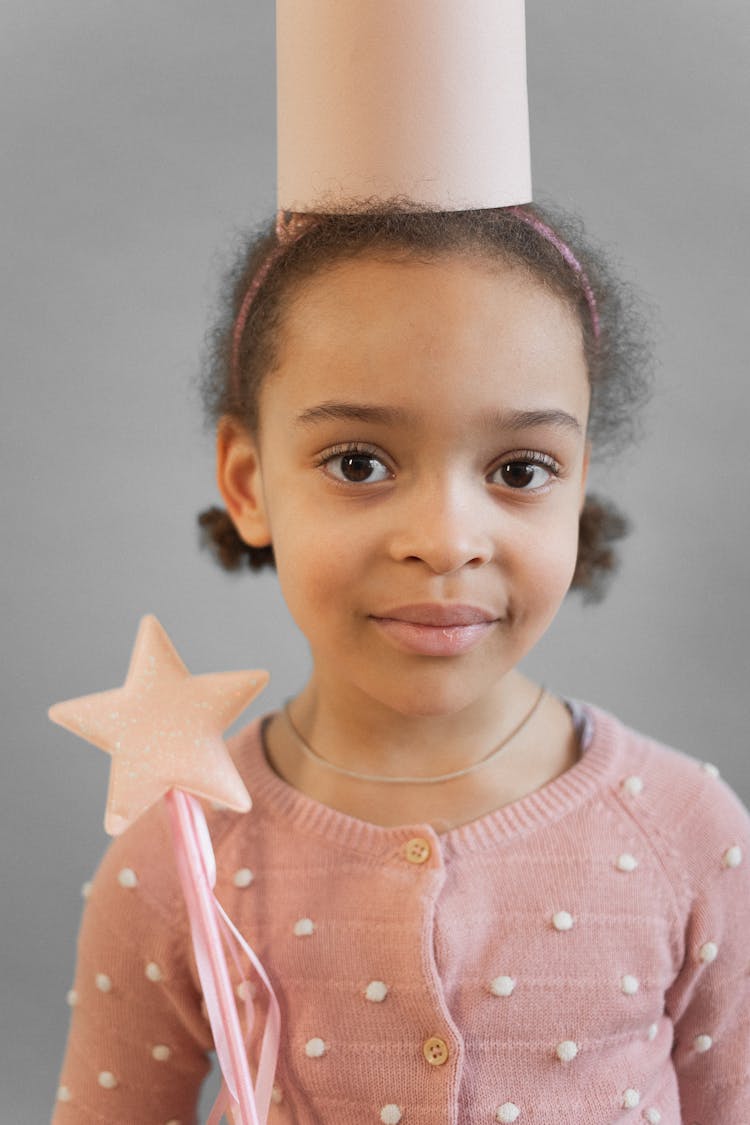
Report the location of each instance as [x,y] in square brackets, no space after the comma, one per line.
[441,614]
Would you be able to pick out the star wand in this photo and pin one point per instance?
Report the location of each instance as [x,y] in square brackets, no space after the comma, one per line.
[163,729]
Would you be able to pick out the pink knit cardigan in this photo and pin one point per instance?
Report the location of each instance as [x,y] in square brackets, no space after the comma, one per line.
[579,957]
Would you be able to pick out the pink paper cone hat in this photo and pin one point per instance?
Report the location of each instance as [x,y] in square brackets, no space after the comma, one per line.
[419,99]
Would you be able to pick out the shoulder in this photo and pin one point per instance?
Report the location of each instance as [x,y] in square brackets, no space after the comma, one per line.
[143,858]
[696,821]
[666,779]
[135,896]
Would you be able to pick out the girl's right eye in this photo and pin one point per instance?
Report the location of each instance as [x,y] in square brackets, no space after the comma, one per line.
[355,466]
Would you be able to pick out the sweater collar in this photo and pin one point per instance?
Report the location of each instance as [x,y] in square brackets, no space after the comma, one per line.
[602,762]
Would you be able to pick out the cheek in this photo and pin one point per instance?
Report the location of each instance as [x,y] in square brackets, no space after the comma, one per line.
[547,559]
[315,567]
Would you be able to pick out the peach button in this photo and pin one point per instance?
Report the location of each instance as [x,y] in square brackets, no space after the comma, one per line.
[417,850]
[435,1050]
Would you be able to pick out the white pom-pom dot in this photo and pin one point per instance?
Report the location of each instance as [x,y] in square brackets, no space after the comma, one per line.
[732,856]
[562,920]
[633,786]
[315,1048]
[63,1094]
[567,1050]
[502,986]
[703,1043]
[507,1112]
[652,1115]
[72,997]
[377,990]
[710,769]
[106,1079]
[708,952]
[153,972]
[243,877]
[631,1098]
[626,862]
[390,1115]
[304,927]
[160,1052]
[127,878]
[103,982]
[630,984]
[653,1031]
[246,990]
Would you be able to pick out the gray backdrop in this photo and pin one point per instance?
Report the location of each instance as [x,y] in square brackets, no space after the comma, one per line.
[137,137]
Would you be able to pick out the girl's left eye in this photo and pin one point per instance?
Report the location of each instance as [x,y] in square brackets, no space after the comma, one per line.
[355,466]
[527,473]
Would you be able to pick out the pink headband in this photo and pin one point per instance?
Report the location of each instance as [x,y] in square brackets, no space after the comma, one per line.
[288,230]
[291,227]
[547,232]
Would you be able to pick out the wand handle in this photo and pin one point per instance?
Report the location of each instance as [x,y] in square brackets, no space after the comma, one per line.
[197,886]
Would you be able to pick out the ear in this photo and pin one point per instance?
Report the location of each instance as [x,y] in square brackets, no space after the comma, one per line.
[240,481]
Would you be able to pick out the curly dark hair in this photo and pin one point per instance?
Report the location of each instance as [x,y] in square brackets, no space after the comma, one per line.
[618,356]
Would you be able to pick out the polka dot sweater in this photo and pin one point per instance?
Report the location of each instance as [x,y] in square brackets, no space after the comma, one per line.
[578,956]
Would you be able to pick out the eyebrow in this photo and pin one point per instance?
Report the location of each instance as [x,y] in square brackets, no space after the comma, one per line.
[395,415]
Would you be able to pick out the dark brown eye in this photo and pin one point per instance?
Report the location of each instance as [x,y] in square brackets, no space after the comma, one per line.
[518,474]
[525,475]
[356,467]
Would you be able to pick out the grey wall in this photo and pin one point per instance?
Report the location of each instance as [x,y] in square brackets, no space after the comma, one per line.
[136,138]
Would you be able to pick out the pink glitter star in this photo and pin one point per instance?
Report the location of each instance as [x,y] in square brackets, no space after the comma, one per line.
[163,728]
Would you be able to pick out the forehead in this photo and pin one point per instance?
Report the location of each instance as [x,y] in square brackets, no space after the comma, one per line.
[431,334]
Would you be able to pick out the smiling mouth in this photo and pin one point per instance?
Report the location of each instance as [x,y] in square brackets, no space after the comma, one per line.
[451,638]
[439,615]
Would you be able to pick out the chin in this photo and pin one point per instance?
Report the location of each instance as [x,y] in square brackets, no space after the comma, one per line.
[419,698]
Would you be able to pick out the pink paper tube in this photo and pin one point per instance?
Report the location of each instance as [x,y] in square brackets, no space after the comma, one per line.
[418,98]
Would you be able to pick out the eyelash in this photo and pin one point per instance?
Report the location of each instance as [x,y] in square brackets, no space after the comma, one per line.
[522,457]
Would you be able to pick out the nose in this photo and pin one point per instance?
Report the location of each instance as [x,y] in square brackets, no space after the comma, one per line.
[445,526]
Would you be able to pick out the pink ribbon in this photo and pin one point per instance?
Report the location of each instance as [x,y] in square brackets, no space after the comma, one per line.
[196,865]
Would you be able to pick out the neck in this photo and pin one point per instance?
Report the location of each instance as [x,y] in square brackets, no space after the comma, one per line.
[545,748]
[418,779]
[358,733]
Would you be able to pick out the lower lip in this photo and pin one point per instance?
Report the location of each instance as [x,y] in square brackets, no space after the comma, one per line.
[433,640]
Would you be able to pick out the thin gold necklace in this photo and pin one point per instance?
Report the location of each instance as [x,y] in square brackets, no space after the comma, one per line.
[493,754]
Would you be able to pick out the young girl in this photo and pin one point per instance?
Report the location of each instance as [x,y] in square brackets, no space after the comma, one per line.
[477,902]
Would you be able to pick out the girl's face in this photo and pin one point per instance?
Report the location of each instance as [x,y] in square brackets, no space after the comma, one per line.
[419,469]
